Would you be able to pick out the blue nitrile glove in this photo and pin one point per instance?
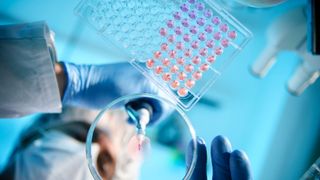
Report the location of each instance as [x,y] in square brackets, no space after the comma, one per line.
[226,164]
[94,86]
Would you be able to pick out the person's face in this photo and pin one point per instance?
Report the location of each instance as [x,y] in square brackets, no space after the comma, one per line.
[106,160]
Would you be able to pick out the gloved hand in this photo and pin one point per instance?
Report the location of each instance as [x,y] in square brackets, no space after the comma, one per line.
[94,86]
[226,164]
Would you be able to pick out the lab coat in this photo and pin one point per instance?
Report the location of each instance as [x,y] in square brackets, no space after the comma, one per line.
[54,156]
[28,85]
[27,80]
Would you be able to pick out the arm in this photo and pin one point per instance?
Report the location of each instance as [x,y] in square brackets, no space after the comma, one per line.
[95,86]
[61,78]
[31,83]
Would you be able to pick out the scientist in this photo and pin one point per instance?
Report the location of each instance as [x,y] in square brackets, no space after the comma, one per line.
[32,81]
[53,147]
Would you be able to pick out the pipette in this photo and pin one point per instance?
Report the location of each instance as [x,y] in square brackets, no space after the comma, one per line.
[139,144]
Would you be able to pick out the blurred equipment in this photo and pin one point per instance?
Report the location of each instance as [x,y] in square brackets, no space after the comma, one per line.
[313,173]
[306,74]
[171,133]
[313,25]
[289,33]
[260,3]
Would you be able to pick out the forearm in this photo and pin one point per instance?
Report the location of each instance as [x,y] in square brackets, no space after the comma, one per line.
[61,78]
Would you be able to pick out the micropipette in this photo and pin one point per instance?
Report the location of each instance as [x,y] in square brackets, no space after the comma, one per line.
[139,143]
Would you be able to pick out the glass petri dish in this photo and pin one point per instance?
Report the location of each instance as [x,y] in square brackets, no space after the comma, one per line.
[170,139]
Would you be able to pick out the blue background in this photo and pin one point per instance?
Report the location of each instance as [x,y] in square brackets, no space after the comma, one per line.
[279,132]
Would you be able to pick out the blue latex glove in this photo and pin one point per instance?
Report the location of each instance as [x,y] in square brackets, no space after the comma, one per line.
[94,86]
[226,164]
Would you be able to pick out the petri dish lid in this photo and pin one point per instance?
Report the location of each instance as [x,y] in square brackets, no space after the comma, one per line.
[170,139]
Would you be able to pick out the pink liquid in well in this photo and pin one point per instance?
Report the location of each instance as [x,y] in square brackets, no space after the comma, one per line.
[197,75]
[182,76]
[166,76]
[211,59]
[177,15]
[192,14]
[204,67]
[170,24]
[174,69]
[209,29]
[186,37]
[174,84]
[150,63]
[218,51]
[201,21]
[182,92]
[164,46]
[207,13]
[203,51]
[184,7]
[193,29]
[172,53]
[210,43]
[179,45]
[195,44]
[190,83]
[215,20]
[185,22]
[200,6]
[225,42]
[171,38]
[202,36]
[196,60]
[232,34]
[163,32]
[158,70]
[157,54]
[217,36]
[188,52]
[180,61]
[224,27]
[178,30]
[166,62]
[189,68]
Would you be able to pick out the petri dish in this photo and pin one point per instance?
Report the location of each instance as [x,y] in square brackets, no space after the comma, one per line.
[170,138]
